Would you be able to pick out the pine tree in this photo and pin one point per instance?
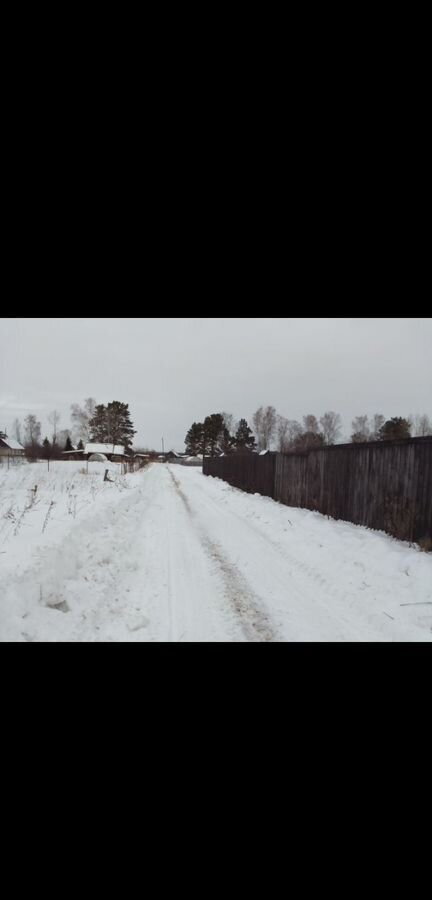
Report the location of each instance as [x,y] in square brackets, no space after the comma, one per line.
[210,438]
[112,424]
[119,424]
[80,446]
[194,439]
[46,449]
[98,425]
[395,429]
[213,432]
[68,445]
[244,438]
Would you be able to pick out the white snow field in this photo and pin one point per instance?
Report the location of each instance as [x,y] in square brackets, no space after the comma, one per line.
[167,554]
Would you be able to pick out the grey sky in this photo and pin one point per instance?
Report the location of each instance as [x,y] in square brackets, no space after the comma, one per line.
[175,371]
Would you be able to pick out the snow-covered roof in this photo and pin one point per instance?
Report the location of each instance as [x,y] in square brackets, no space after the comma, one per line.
[13,445]
[105,448]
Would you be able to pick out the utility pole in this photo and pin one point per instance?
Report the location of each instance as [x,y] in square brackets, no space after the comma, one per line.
[163,447]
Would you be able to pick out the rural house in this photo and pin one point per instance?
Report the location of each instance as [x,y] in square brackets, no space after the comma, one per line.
[9,447]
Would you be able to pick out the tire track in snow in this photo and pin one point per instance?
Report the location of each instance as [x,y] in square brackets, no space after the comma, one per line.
[304,590]
[255,620]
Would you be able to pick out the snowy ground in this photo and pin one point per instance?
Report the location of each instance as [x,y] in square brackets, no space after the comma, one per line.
[169,555]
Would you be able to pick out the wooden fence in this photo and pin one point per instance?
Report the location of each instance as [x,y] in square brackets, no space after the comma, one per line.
[384,485]
[247,471]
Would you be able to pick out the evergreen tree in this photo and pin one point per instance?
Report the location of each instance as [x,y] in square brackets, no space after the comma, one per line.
[120,425]
[68,445]
[80,446]
[112,424]
[46,449]
[210,438]
[98,425]
[395,429]
[244,438]
[194,439]
[213,432]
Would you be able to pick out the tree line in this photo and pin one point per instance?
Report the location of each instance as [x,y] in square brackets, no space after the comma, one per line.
[215,436]
[105,424]
[219,433]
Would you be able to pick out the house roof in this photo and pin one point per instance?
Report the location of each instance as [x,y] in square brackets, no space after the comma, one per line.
[107,449]
[11,444]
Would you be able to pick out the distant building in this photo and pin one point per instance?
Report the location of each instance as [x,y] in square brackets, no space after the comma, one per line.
[73,454]
[142,458]
[9,447]
[114,453]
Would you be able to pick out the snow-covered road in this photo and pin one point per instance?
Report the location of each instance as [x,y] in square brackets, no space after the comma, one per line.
[175,556]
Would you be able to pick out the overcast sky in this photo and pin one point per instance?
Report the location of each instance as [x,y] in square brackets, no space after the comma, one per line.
[175,371]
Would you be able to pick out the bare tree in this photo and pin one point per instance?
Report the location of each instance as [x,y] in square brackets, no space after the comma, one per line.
[54,418]
[81,417]
[32,430]
[425,426]
[310,424]
[264,422]
[229,422]
[421,425]
[294,432]
[17,430]
[331,425]
[361,429]
[79,422]
[378,422]
[257,421]
[63,436]
[309,440]
[282,434]
[90,406]
[288,433]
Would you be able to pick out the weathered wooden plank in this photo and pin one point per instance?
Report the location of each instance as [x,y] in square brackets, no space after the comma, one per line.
[386,486]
